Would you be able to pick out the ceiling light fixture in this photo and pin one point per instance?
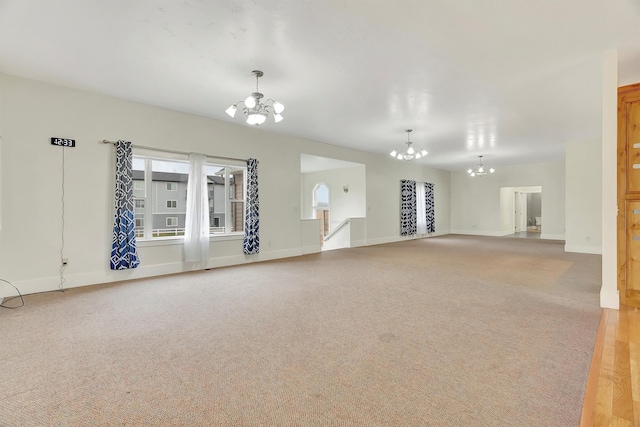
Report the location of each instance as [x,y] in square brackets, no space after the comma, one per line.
[480,170]
[408,153]
[255,109]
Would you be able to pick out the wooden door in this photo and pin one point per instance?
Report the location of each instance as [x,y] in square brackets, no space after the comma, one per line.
[629,194]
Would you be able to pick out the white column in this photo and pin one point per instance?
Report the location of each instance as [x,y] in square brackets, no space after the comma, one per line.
[609,293]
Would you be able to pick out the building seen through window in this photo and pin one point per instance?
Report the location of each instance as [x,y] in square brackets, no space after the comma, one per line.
[160,197]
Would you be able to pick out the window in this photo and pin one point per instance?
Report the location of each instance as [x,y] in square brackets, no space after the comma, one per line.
[226,198]
[163,217]
[138,184]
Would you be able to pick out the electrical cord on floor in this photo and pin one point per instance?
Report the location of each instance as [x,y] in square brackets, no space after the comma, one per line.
[12,298]
[63,264]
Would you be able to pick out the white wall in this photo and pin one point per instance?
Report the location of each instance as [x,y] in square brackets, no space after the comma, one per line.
[609,291]
[351,204]
[476,201]
[383,175]
[31,174]
[584,197]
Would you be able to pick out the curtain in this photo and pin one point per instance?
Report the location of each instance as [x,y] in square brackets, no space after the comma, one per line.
[124,253]
[421,208]
[407,207]
[196,233]
[252,210]
[430,208]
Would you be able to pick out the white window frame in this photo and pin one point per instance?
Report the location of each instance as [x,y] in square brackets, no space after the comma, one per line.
[138,185]
[172,204]
[229,201]
[172,186]
[148,155]
[173,219]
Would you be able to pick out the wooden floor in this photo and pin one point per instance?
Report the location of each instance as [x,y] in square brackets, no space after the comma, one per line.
[612,396]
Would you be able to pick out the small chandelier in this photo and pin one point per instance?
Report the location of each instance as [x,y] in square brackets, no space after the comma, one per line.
[255,109]
[408,153]
[480,170]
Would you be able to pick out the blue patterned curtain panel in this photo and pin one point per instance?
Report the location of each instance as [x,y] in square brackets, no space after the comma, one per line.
[124,254]
[408,208]
[431,212]
[252,214]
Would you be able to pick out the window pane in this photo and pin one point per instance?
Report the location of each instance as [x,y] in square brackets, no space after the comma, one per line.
[169,188]
[237,216]
[160,195]
[139,195]
[321,196]
[236,183]
[139,226]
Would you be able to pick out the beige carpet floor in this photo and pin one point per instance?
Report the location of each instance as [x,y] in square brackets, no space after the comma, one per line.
[446,331]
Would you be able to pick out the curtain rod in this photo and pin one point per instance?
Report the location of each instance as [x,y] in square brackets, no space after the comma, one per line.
[164,150]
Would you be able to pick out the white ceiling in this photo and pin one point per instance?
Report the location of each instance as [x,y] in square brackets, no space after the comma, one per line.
[508,79]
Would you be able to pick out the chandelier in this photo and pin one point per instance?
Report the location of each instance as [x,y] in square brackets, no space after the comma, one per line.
[408,153]
[256,110]
[480,170]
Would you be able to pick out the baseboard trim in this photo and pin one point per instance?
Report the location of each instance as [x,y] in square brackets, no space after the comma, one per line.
[357,243]
[609,298]
[312,249]
[596,250]
[52,283]
[552,236]
[481,233]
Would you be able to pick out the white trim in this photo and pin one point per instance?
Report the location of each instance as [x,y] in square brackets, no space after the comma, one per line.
[383,240]
[581,249]
[609,298]
[358,243]
[179,240]
[51,283]
[311,249]
[552,236]
[482,233]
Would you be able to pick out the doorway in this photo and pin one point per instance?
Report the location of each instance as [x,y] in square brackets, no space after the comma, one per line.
[521,211]
[332,191]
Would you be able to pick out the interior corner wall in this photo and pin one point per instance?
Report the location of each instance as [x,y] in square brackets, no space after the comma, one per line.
[584,197]
[476,203]
[31,173]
